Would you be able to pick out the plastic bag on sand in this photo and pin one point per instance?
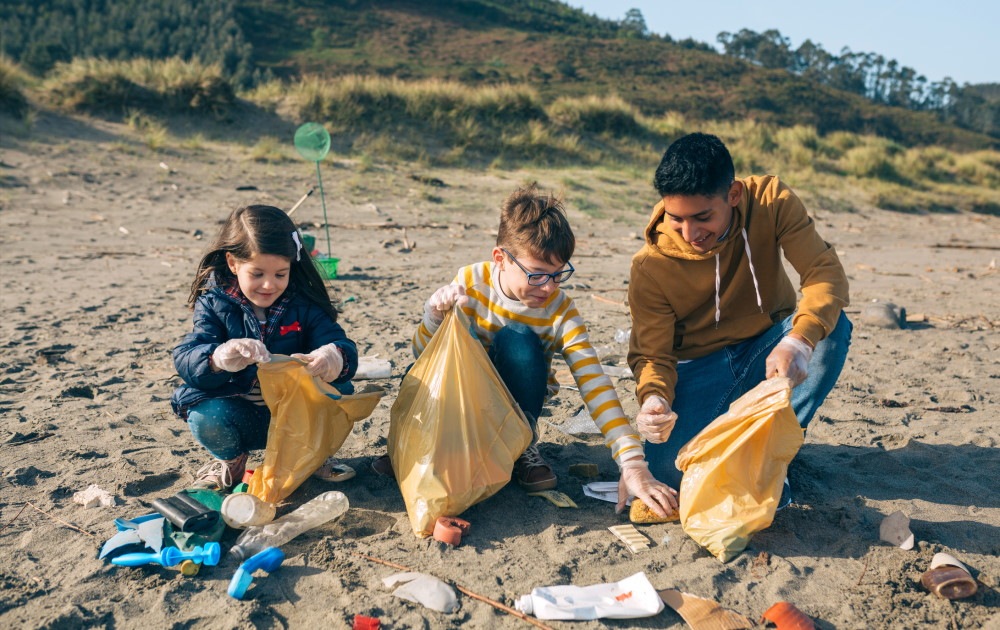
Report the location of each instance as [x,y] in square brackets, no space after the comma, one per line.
[309,421]
[454,431]
[423,589]
[734,470]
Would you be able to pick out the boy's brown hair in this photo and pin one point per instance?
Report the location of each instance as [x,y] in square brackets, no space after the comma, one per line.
[536,225]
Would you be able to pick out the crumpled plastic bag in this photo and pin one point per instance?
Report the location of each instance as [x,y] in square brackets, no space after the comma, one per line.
[455,431]
[735,469]
[94,496]
[423,589]
[309,421]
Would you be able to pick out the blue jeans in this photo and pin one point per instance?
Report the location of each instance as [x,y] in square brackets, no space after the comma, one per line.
[708,385]
[518,356]
[229,427]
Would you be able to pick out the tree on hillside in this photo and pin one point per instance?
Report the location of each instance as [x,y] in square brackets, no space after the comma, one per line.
[635,24]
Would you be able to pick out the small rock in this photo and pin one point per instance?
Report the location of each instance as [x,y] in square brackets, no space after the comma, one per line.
[882,315]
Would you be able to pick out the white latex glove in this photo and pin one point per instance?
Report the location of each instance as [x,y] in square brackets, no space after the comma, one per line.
[443,300]
[655,420]
[789,358]
[637,481]
[236,354]
[325,362]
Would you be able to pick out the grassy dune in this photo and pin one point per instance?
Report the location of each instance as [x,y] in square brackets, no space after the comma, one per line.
[444,123]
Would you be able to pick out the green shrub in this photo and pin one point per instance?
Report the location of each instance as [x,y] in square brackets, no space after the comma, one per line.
[597,114]
[13,82]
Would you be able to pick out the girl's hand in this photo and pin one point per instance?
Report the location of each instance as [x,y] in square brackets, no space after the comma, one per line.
[237,354]
[325,362]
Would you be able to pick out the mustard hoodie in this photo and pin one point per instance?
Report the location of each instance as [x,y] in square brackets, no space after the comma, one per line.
[678,313]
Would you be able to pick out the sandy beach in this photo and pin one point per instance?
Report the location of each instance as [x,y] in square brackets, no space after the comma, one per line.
[99,239]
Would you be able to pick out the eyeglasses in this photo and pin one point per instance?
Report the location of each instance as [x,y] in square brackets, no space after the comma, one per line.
[540,279]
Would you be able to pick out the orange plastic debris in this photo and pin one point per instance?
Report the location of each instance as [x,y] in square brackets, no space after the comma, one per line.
[449,530]
[785,616]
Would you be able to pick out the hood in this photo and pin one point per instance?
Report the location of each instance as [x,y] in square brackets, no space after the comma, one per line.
[668,242]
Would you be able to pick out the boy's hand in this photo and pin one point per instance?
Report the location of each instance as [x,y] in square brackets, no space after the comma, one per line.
[237,354]
[789,358]
[655,420]
[325,362]
[444,299]
[637,481]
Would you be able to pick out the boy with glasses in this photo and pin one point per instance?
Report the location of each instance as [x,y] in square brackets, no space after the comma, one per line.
[523,319]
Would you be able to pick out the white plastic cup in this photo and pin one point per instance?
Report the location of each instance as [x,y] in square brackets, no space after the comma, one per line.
[243,510]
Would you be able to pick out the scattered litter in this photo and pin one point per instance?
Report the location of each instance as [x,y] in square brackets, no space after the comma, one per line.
[633,539]
[423,589]
[373,367]
[164,166]
[585,471]
[268,560]
[883,315]
[580,424]
[123,229]
[703,614]
[334,470]
[126,538]
[242,510]
[948,578]
[555,497]
[602,491]
[208,555]
[642,513]
[186,513]
[93,496]
[895,529]
[362,622]
[666,540]
[449,530]
[247,187]
[786,616]
[630,598]
[617,371]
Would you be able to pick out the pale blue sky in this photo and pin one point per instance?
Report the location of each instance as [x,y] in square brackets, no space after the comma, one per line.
[937,39]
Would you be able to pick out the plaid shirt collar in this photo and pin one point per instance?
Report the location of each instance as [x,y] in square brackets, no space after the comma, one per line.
[274,313]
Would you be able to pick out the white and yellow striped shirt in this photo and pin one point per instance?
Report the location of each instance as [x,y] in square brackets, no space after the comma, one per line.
[561,329]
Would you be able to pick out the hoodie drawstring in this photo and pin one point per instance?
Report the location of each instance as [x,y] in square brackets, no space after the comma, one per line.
[753,274]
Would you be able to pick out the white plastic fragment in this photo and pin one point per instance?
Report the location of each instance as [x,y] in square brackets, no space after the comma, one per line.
[895,530]
[373,367]
[630,598]
[93,496]
[423,589]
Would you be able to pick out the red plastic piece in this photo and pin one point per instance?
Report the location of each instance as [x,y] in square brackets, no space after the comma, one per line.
[362,622]
[787,617]
[247,474]
[449,530]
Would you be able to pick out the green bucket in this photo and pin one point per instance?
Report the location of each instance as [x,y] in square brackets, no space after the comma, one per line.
[327,267]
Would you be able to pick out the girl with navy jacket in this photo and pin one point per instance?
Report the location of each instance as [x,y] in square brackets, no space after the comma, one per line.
[256,292]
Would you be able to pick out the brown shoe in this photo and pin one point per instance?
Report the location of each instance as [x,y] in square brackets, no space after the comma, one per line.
[221,474]
[532,473]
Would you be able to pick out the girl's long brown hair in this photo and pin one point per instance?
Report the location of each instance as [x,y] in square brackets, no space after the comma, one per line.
[253,230]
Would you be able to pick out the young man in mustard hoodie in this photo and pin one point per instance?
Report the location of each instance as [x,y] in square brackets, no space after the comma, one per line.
[713,311]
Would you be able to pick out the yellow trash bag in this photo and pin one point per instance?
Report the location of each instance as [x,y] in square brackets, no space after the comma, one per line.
[455,430]
[734,470]
[309,421]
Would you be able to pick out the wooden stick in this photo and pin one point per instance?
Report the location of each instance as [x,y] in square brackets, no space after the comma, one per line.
[54,518]
[299,202]
[964,246]
[462,589]
[600,298]
[23,508]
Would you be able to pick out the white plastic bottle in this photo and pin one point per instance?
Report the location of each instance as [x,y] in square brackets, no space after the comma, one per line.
[319,510]
[628,599]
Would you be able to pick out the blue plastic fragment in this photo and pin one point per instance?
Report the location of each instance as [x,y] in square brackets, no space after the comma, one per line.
[208,555]
[268,560]
[124,524]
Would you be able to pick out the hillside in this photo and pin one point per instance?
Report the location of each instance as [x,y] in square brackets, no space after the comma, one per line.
[562,51]
[557,50]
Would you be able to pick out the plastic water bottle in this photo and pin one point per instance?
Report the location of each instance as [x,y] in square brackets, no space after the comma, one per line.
[322,509]
[630,598]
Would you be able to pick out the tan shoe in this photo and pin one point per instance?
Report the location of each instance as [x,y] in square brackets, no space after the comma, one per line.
[221,474]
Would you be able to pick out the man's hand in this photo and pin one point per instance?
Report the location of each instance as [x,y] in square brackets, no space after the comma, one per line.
[655,420]
[790,358]
[325,362]
[237,354]
[637,481]
[444,299]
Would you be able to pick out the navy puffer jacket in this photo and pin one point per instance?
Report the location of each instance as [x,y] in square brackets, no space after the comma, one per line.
[303,327]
